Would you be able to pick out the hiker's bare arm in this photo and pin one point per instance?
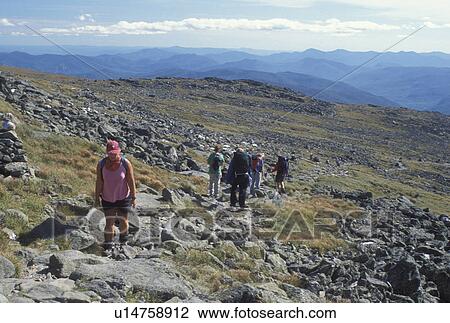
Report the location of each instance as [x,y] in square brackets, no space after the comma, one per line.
[130,180]
[98,185]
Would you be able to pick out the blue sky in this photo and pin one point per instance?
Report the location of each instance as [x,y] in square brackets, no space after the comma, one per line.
[261,24]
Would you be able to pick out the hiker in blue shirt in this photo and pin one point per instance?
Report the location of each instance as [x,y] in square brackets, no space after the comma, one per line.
[257,171]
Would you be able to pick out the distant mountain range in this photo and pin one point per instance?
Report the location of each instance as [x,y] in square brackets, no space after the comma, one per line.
[416,80]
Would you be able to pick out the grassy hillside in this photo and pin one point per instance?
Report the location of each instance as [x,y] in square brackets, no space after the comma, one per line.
[368,140]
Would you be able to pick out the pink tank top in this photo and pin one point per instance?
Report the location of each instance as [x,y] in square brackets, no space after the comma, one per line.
[115,186]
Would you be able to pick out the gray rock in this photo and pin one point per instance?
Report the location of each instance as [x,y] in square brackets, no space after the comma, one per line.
[16,169]
[171,196]
[149,254]
[63,264]
[430,250]
[146,202]
[271,293]
[20,299]
[129,252]
[7,268]
[442,280]
[152,276]
[172,154]
[9,233]
[80,240]
[239,294]
[300,295]
[11,135]
[404,277]
[73,297]
[47,290]
[277,262]
[192,164]
[48,229]
[7,285]
[102,289]
[3,299]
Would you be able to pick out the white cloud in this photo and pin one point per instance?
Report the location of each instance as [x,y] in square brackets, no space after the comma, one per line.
[17,33]
[86,17]
[148,28]
[283,3]
[5,22]
[436,10]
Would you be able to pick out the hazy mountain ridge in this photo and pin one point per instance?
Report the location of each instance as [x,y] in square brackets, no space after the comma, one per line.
[417,80]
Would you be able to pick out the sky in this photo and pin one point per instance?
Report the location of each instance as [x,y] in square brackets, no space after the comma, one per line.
[280,25]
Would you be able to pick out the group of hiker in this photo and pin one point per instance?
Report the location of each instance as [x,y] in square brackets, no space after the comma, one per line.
[115,189]
[245,170]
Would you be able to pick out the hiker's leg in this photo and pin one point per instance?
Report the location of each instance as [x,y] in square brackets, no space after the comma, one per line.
[233,198]
[217,185]
[252,186]
[211,184]
[257,180]
[123,224]
[109,227]
[243,185]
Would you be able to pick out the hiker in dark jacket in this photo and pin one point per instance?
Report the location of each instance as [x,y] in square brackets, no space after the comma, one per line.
[215,162]
[282,171]
[238,176]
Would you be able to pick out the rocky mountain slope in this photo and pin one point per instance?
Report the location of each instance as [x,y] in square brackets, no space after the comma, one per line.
[365,218]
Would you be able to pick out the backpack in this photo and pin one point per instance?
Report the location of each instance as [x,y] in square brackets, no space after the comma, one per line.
[215,164]
[122,162]
[283,165]
[241,163]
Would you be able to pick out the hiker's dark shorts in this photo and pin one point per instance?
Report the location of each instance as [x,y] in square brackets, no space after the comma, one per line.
[124,205]
[279,178]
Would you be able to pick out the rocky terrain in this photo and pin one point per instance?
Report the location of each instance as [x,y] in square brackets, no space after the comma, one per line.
[365,218]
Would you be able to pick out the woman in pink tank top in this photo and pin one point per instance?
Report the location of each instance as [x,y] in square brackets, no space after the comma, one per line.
[116,190]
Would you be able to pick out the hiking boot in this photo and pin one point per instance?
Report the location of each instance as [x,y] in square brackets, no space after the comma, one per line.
[107,249]
[244,207]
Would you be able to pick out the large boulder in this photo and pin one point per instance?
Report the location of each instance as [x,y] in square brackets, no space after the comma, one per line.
[59,290]
[7,268]
[47,229]
[11,135]
[151,276]
[171,196]
[442,280]
[80,240]
[16,169]
[102,289]
[64,263]
[239,294]
[404,276]
[300,295]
